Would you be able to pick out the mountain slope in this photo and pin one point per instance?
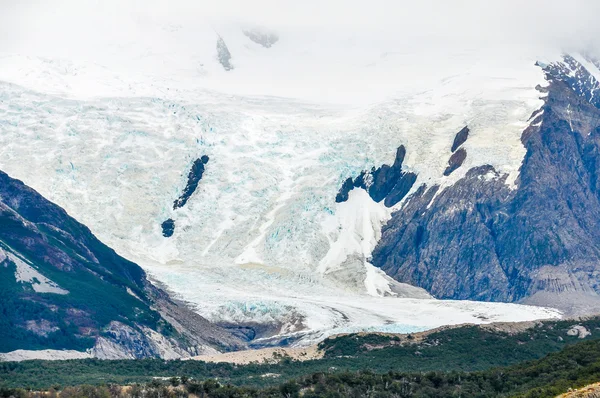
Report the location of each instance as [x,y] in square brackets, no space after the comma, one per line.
[539,242]
[261,241]
[61,288]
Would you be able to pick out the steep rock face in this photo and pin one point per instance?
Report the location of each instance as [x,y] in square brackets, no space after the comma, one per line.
[480,239]
[62,288]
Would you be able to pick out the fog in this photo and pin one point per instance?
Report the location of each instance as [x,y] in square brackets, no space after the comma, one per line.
[32,23]
[380,46]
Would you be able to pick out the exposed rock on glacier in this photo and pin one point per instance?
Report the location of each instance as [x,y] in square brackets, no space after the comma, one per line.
[386,182]
[455,161]
[168,227]
[460,138]
[194,177]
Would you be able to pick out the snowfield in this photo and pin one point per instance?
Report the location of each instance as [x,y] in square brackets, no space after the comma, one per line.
[111,138]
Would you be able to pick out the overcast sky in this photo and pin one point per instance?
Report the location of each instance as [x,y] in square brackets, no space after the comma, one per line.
[380,46]
[572,23]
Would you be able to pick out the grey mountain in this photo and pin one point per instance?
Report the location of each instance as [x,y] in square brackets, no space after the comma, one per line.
[538,243]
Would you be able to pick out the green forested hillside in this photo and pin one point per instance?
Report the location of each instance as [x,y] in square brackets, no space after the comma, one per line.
[575,366]
[463,349]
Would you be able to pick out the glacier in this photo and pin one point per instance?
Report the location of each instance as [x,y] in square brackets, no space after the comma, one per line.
[111,138]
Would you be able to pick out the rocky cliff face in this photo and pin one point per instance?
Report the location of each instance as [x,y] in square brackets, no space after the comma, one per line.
[61,288]
[538,242]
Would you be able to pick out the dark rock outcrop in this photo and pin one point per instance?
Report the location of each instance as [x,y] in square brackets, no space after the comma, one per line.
[194,177]
[480,239]
[455,161]
[56,277]
[168,228]
[460,138]
[386,182]
[347,186]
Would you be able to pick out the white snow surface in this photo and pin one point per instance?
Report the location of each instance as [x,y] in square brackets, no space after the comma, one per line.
[110,134]
[26,273]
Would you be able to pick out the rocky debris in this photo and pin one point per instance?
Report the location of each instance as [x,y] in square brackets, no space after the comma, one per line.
[386,182]
[259,36]
[589,391]
[120,341]
[199,335]
[580,331]
[481,240]
[352,273]
[41,327]
[455,161]
[272,334]
[223,54]
[572,302]
[460,138]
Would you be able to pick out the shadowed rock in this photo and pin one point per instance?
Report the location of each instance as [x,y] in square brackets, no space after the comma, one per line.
[194,177]
[455,161]
[402,187]
[460,138]
[168,227]
[386,182]
[347,186]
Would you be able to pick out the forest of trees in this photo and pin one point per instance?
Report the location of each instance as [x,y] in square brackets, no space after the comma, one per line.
[575,366]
